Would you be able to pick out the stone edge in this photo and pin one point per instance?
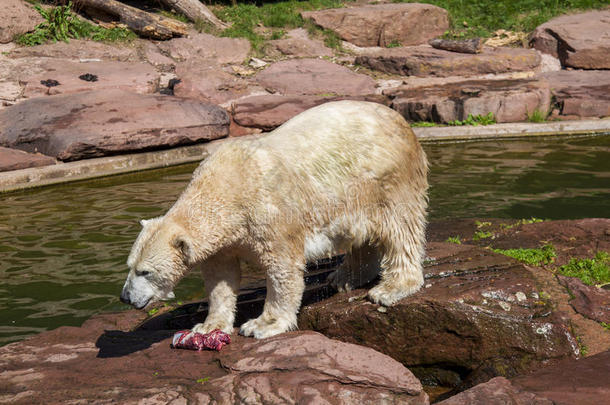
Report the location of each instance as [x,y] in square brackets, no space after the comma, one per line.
[113,165]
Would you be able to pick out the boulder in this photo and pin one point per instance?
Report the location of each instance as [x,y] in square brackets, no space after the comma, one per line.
[12,159]
[108,122]
[497,391]
[314,77]
[207,49]
[509,100]
[16,18]
[270,111]
[208,83]
[478,316]
[580,41]
[69,75]
[79,49]
[297,44]
[109,359]
[581,93]
[590,301]
[424,61]
[384,24]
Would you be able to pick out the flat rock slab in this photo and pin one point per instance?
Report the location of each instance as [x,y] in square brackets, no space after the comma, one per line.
[136,77]
[479,316]
[207,49]
[108,122]
[384,24]
[427,61]
[209,83]
[12,159]
[589,300]
[509,100]
[497,391]
[270,111]
[297,44]
[314,77]
[79,49]
[580,41]
[106,361]
[16,18]
[581,93]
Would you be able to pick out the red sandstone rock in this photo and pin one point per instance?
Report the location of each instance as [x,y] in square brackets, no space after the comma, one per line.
[12,159]
[207,49]
[497,391]
[580,41]
[108,122]
[427,61]
[383,24]
[314,77]
[17,17]
[590,301]
[78,49]
[508,100]
[581,93]
[135,77]
[105,361]
[298,44]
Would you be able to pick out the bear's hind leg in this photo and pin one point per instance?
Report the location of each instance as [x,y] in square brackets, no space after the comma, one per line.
[402,247]
[221,276]
[285,285]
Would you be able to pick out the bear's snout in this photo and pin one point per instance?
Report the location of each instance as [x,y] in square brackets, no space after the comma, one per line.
[125,297]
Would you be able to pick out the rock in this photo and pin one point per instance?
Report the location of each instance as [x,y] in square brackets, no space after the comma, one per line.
[314,77]
[155,57]
[298,44]
[384,24]
[108,122]
[106,360]
[268,112]
[16,18]
[497,391]
[208,83]
[10,92]
[508,100]
[207,49]
[479,316]
[590,301]
[583,382]
[581,93]
[580,41]
[12,159]
[79,49]
[135,77]
[424,60]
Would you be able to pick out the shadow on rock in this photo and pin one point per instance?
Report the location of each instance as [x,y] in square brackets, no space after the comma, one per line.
[116,343]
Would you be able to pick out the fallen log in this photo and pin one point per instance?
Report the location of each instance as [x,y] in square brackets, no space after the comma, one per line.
[195,10]
[468,46]
[142,23]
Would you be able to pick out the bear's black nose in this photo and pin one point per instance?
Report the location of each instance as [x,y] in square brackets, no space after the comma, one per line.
[125,297]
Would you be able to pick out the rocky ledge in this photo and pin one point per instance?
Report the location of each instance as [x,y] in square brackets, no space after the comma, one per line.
[484,329]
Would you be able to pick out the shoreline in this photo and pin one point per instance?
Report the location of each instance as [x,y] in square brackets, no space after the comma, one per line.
[121,164]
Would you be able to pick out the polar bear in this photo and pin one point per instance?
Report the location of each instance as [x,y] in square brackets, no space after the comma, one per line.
[344,176]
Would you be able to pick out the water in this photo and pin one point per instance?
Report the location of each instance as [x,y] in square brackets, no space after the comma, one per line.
[63,249]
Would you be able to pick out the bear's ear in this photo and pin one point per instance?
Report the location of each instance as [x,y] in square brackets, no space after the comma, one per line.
[185,248]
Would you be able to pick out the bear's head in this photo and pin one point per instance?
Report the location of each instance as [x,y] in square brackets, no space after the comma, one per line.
[159,258]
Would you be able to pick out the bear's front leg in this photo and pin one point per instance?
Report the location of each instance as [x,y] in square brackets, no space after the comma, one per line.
[221,276]
[285,287]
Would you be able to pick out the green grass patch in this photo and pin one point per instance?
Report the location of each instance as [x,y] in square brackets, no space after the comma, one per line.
[605,325]
[536,257]
[454,239]
[478,235]
[284,14]
[593,271]
[423,124]
[480,18]
[536,116]
[61,24]
[475,120]
[532,220]
[394,44]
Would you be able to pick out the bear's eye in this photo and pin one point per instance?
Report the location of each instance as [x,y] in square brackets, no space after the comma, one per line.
[142,273]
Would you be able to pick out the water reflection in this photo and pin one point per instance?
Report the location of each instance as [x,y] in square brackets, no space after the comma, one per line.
[63,249]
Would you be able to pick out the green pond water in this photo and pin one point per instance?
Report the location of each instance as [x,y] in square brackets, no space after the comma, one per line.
[63,249]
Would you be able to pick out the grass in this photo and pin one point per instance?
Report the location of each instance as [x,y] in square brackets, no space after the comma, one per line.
[61,24]
[535,257]
[478,235]
[532,220]
[536,116]
[595,271]
[480,18]
[454,239]
[246,18]
[475,120]
[605,325]
[423,124]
